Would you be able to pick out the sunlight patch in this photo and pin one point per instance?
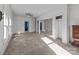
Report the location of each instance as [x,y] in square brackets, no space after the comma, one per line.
[55,47]
[47,40]
[58,49]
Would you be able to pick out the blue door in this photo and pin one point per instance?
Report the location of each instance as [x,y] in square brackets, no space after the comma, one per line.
[26,26]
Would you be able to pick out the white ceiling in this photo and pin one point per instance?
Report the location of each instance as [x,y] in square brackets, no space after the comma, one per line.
[35,9]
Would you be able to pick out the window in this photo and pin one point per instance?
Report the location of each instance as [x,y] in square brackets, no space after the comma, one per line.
[5,26]
[10,26]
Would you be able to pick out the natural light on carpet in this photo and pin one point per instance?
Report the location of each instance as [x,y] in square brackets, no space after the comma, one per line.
[55,47]
[47,40]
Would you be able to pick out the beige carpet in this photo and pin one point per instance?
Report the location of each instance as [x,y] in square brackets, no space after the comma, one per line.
[28,44]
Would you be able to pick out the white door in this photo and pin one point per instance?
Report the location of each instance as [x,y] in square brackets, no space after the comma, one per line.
[60,28]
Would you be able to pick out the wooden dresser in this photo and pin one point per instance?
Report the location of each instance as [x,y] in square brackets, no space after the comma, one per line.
[75,34]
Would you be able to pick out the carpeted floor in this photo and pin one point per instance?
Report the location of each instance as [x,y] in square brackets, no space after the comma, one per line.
[28,44]
[74,50]
[32,44]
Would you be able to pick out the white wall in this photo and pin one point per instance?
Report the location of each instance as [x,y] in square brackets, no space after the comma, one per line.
[5,39]
[37,26]
[31,25]
[73,17]
[47,26]
[1,32]
[19,21]
[43,29]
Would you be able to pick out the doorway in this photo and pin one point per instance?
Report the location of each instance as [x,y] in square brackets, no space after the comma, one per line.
[59,28]
[41,26]
[26,26]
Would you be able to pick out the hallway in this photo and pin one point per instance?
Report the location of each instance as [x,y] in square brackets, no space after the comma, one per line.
[38,33]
